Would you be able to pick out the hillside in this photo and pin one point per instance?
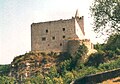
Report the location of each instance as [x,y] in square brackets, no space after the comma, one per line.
[34,63]
[54,68]
[61,68]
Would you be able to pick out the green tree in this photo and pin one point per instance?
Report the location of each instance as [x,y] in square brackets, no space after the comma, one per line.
[82,50]
[113,42]
[95,59]
[65,66]
[4,69]
[99,47]
[80,56]
[106,13]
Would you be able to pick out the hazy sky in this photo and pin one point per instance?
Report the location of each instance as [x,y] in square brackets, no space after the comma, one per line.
[16,16]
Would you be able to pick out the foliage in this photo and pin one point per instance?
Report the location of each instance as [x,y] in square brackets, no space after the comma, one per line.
[117,51]
[65,66]
[68,77]
[68,68]
[109,66]
[47,80]
[101,57]
[80,56]
[53,72]
[36,80]
[99,47]
[113,42]
[87,71]
[75,62]
[95,59]
[58,80]
[4,69]
[7,80]
[82,50]
[106,13]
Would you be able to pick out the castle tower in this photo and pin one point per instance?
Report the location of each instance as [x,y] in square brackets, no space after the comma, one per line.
[54,36]
[80,20]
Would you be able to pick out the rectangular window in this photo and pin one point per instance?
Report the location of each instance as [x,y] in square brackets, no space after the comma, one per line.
[63,36]
[60,44]
[53,38]
[43,39]
[63,29]
[46,31]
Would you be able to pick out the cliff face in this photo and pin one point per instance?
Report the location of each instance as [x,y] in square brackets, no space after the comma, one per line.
[31,64]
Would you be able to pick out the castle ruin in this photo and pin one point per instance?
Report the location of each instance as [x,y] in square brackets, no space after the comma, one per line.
[59,36]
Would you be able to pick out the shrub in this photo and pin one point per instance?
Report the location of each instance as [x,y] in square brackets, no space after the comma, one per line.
[4,70]
[109,66]
[95,59]
[7,80]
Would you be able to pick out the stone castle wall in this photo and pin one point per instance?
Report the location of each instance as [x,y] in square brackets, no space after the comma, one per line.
[59,36]
[74,44]
[81,23]
[53,35]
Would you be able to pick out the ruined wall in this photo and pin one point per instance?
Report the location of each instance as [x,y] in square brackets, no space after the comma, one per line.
[52,36]
[80,21]
[55,36]
[98,78]
[88,43]
[73,46]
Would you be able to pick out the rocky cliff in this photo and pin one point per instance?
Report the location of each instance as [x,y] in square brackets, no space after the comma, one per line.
[33,63]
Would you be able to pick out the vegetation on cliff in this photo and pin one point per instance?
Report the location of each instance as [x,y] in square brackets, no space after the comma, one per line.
[62,68]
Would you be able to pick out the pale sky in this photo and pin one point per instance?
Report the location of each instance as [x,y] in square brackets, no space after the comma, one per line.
[16,16]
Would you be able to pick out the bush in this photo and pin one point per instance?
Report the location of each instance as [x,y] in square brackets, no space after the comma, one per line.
[117,51]
[7,80]
[82,51]
[68,77]
[95,59]
[109,66]
[4,70]
[58,80]
[113,42]
[65,66]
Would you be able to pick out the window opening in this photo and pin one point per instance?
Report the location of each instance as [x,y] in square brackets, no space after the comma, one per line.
[60,44]
[46,31]
[63,29]
[53,38]
[64,36]
[43,38]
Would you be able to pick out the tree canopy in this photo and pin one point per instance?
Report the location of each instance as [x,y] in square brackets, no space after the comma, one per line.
[113,42]
[106,16]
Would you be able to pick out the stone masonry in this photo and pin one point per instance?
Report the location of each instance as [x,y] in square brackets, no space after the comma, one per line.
[54,36]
